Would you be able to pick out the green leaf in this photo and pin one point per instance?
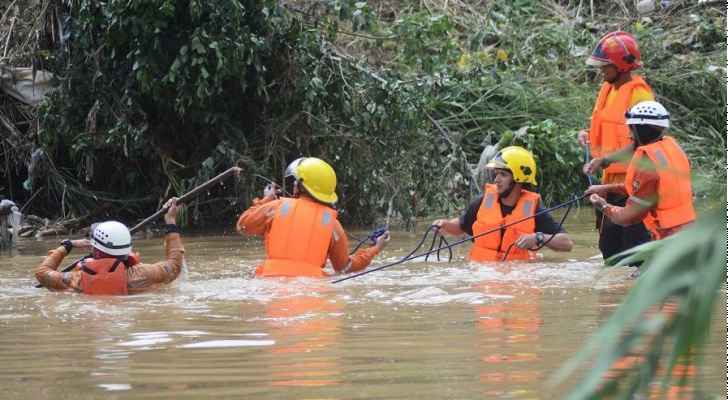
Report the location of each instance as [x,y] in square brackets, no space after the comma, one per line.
[197,46]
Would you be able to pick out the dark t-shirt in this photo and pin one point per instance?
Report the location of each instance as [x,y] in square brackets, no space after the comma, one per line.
[544,222]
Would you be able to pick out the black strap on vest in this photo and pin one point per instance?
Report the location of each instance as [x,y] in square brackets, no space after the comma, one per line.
[116,264]
[118,261]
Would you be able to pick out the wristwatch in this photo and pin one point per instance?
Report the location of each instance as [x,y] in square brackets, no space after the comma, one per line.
[68,245]
[603,206]
[539,238]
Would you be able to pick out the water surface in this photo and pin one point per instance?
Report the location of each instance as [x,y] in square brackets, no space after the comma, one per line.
[422,330]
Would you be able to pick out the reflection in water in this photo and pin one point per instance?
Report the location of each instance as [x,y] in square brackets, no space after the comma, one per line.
[422,330]
[306,329]
[510,324]
[682,376]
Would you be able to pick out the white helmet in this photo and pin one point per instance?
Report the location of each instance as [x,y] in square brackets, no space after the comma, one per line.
[648,113]
[111,237]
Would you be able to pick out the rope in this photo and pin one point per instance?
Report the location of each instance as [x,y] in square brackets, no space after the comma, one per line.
[587,158]
[451,245]
[372,237]
[283,190]
[558,229]
[443,244]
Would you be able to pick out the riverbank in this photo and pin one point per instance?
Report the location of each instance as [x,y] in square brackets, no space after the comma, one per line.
[401,98]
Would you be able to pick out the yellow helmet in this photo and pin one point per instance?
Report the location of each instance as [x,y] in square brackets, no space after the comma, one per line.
[318,178]
[517,160]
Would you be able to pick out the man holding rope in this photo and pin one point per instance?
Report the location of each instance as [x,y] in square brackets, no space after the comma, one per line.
[113,269]
[657,183]
[302,232]
[608,138]
[506,201]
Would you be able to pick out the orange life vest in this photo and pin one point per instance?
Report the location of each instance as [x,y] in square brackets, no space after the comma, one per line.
[298,241]
[674,193]
[492,246]
[105,276]
[608,131]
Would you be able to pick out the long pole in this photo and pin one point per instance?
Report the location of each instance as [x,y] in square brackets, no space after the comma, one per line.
[182,199]
[187,196]
[467,239]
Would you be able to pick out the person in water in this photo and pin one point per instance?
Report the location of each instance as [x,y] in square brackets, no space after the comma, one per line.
[657,184]
[508,200]
[302,232]
[616,55]
[113,269]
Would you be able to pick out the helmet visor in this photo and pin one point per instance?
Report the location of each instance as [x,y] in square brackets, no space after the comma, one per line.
[497,163]
[594,62]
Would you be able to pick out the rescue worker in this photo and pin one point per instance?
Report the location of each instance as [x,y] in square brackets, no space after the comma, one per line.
[302,232]
[608,138]
[508,200]
[658,177]
[113,269]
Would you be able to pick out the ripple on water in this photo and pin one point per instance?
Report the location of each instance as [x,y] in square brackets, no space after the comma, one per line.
[415,283]
[114,387]
[190,340]
[217,344]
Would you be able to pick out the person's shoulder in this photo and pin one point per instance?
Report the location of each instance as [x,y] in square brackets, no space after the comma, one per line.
[643,160]
[639,95]
[530,193]
[645,170]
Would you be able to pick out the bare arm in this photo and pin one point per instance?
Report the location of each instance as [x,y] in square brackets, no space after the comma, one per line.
[622,155]
[449,226]
[560,242]
[630,214]
[603,190]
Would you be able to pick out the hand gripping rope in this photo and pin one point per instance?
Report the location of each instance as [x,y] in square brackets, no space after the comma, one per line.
[412,254]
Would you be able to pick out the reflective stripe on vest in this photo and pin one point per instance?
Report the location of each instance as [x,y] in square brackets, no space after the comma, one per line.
[299,238]
[674,192]
[103,276]
[492,247]
[608,131]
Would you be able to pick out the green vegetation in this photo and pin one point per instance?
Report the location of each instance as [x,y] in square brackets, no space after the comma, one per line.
[401,97]
[684,274]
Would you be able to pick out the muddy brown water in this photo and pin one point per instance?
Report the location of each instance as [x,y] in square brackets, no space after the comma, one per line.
[421,330]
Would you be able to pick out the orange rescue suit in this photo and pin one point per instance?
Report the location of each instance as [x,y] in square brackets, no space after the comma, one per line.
[492,246]
[608,131]
[674,194]
[105,276]
[299,239]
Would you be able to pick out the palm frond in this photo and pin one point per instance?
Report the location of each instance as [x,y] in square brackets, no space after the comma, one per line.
[686,269]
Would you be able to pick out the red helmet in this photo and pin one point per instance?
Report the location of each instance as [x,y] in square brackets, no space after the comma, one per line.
[616,48]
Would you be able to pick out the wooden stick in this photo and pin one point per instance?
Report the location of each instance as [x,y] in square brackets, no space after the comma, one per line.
[185,197]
